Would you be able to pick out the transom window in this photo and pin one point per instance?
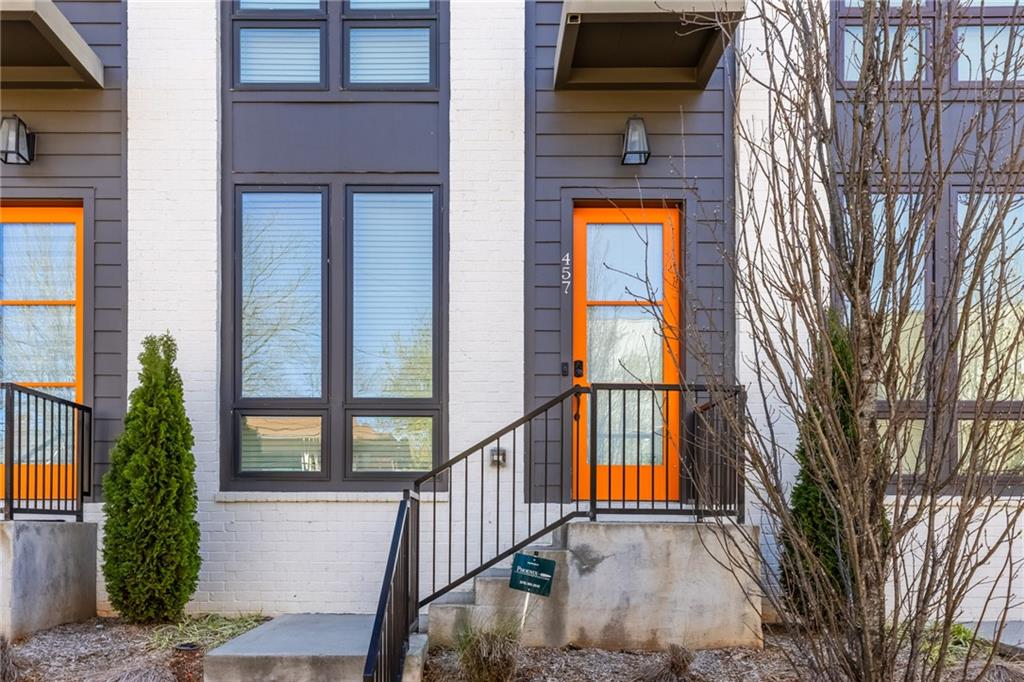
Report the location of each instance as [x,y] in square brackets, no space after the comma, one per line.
[336,370]
[385,44]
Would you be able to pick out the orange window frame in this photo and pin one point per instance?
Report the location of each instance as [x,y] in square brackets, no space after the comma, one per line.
[56,214]
[663,481]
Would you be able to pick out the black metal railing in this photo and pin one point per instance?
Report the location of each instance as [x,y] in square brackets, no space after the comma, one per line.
[398,606]
[718,462]
[659,449]
[47,453]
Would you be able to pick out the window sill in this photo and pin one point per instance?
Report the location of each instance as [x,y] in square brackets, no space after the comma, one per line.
[248,496]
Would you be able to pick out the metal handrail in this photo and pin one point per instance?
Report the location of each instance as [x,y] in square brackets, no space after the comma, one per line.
[47,453]
[533,414]
[384,658]
[399,602]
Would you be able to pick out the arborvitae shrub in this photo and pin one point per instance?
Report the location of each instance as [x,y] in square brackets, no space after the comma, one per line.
[151,538]
[813,514]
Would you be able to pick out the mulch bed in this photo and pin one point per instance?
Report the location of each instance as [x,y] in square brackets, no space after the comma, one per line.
[597,665]
[100,650]
[773,663]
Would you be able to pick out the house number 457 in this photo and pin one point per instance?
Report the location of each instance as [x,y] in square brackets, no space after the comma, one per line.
[566,273]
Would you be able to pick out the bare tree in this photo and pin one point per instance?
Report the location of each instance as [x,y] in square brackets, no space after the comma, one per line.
[880,183]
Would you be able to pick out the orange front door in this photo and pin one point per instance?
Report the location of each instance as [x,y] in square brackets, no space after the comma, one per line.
[627,331]
[42,257]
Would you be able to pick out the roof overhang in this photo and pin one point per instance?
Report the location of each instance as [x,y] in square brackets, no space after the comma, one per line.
[39,48]
[642,44]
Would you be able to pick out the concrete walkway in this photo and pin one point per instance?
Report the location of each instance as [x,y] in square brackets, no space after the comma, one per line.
[307,647]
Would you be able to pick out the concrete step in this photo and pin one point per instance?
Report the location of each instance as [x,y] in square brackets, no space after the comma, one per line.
[307,647]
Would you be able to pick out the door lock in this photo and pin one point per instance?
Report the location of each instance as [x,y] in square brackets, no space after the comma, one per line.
[577,369]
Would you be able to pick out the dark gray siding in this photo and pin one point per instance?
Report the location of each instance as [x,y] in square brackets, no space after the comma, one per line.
[81,156]
[573,148]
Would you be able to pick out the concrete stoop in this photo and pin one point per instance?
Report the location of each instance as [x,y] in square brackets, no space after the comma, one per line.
[616,586]
[305,647]
[622,586]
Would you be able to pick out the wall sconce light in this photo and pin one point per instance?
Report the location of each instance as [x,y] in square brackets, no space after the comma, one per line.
[499,457]
[635,150]
[17,143]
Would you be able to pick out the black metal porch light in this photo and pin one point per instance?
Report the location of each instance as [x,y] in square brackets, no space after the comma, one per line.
[17,142]
[635,150]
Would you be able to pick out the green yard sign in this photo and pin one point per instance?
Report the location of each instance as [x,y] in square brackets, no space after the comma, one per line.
[532,574]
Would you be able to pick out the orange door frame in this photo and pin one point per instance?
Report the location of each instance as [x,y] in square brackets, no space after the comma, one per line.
[622,482]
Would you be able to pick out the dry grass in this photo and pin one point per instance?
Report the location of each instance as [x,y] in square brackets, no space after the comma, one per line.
[208,630]
[673,666]
[9,670]
[489,653]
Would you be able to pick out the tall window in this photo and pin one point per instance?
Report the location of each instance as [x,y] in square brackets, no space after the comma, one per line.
[41,317]
[281,340]
[337,366]
[392,340]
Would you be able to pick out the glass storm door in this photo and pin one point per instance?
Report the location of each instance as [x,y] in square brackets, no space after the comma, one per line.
[626,330]
[41,329]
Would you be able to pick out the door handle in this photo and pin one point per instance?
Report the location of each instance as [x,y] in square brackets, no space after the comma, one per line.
[577,369]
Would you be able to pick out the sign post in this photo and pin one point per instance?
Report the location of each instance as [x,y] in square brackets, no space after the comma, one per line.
[532,575]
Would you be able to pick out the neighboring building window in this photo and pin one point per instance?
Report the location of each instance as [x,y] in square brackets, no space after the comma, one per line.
[909,42]
[41,305]
[994,305]
[990,52]
[279,56]
[336,384]
[891,220]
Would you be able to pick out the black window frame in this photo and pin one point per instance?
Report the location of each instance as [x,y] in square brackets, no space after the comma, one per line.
[280,406]
[337,405]
[850,17]
[386,407]
[326,466]
[938,421]
[985,20]
[398,477]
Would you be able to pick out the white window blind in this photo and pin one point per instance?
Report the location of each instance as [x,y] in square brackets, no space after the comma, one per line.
[389,55]
[392,5]
[393,295]
[270,444]
[279,4]
[279,55]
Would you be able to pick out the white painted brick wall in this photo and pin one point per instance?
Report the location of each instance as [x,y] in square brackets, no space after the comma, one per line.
[320,552]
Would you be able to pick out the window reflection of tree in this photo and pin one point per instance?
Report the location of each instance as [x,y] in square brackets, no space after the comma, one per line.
[281,310]
[37,342]
[625,343]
